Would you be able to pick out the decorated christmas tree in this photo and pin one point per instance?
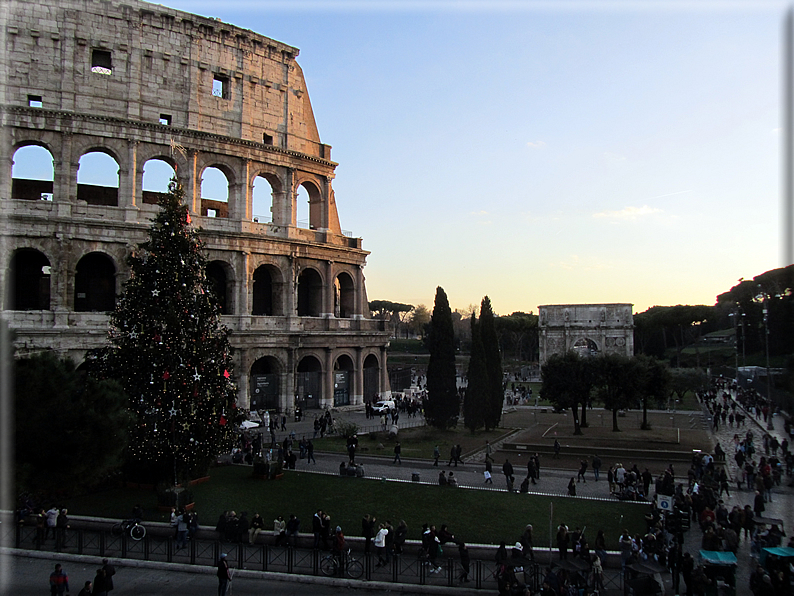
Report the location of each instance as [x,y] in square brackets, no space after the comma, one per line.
[171,353]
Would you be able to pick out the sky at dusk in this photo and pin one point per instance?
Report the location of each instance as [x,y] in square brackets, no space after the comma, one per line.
[544,153]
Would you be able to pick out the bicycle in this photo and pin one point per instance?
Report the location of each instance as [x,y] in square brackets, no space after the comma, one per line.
[330,565]
[131,527]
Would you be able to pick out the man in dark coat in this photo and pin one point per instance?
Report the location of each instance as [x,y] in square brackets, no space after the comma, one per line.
[224,575]
[110,571]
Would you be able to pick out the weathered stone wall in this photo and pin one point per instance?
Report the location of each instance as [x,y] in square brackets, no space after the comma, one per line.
[610,328]
[135,81]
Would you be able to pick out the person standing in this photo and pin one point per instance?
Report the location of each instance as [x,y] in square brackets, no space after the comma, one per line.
[317,528]
[52,516]
[380,545]
[110,571]
[59,581]
[596,466]
[368,531]
[181,532]
[556,449]
[224,575]
[310,452]
[562,541]
[280,530]
[86,591]
[465,561]
[100,583]
[61,525]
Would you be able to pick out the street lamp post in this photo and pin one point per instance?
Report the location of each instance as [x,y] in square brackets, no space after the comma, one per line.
[769,425]
[734,316]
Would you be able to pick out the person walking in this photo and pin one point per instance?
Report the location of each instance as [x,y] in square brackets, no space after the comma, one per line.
[397,452]
[436,455]
[224,575]
[310,452]
[59,581]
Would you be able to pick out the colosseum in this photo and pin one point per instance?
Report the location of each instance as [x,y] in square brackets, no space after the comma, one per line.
[104,102]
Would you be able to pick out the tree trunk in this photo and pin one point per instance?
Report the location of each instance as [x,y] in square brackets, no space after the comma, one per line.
[645,415]
[615,428]
[577,429]
[583,423]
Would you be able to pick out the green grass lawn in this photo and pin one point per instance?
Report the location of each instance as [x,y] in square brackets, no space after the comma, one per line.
[474,516]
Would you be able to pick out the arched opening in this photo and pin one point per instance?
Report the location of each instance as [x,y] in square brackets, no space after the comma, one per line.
[344,296]
[220,286]
[95,284]
[371,378]
[32,174]
[309,383]
[98,179]
[157,174]
[302,208]
[267,299]
[343,380]
[310,293]
[262,200]
[29,276]
[585,347]
[214,193]
[265,384]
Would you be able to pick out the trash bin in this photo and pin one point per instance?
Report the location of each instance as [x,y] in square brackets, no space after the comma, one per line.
[414,476]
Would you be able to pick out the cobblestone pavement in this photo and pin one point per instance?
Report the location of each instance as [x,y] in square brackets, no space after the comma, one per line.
[781,506]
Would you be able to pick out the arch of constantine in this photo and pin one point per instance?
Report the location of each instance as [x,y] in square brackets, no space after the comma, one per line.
[106,101]
[588,329]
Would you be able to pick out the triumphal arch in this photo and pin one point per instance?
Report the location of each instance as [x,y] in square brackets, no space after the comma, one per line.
[105,101]
[588,329]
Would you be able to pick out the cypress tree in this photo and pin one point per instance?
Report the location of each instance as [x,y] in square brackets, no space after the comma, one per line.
[441,404]
[493,364]
[476,399]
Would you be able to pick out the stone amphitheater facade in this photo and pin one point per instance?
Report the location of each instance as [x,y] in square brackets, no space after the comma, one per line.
[141,85]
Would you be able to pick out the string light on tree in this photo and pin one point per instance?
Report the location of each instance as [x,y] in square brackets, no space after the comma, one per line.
[167,326]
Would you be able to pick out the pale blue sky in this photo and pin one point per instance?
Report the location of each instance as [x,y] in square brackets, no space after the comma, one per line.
[545,153]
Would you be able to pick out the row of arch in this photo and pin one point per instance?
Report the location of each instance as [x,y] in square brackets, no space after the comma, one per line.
[312,385]
[219,184]
[96,284]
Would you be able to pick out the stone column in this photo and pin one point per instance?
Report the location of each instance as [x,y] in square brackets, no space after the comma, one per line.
[329,292]
[130,179]
[287,387]
[65,174]
[243,380]
[291,287]
[360,306]
[240,194]
[358,386]
[385,387]
[242,297]
[328,389]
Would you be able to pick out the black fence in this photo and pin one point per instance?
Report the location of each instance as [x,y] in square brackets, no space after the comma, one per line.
[402,569]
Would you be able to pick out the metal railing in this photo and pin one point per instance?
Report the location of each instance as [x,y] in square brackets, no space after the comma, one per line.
[406,568]
[402,569]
